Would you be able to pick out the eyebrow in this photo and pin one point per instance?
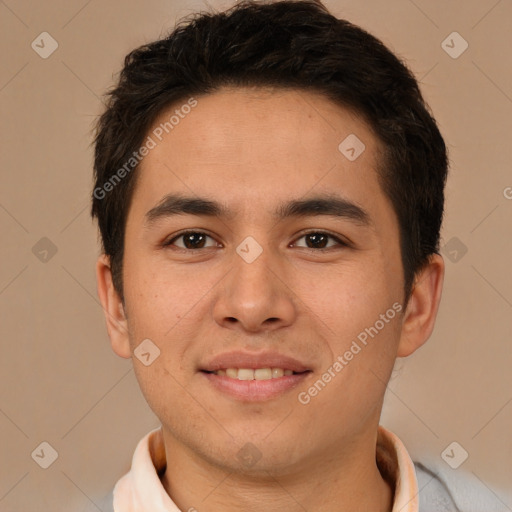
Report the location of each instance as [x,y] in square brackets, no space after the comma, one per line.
[329,205]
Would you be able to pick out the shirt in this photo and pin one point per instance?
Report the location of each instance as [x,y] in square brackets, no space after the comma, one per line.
[141,490]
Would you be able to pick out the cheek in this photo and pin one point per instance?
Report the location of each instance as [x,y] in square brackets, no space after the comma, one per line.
[158,298]
[160,309]
[169,307]
[353,310]
[348,299]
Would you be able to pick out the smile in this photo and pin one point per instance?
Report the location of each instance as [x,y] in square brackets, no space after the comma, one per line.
[253,374]
[254,385]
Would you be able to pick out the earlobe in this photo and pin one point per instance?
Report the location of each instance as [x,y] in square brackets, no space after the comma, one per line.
[421,311]
[113,308]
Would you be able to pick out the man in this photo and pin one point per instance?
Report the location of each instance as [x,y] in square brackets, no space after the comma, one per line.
[269,191]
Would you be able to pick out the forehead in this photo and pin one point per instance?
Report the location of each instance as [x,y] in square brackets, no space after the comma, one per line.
[282,121]
[251,146]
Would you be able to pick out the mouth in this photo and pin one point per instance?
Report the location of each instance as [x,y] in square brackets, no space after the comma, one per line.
[254,374]
[250,377]
[248,385]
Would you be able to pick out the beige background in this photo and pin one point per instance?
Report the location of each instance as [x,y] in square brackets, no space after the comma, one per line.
[60,383]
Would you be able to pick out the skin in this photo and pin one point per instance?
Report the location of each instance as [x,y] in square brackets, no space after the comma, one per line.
[252,149]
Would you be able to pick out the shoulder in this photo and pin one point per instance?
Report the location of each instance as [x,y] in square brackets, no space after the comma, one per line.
[434,494]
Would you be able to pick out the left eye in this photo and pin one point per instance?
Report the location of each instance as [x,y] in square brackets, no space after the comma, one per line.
[196,240]
[318,240]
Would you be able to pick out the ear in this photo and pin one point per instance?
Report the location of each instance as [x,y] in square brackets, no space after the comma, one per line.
[421,311]
[113,308]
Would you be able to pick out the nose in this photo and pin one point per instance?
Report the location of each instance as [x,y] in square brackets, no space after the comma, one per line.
[254,296]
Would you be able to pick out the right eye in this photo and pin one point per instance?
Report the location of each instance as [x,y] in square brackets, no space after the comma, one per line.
[191,240]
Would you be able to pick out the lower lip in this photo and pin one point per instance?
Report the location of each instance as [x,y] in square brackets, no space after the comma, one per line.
[255,390]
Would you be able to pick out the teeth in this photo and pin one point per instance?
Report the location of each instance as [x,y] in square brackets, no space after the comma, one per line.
[231,372]
[245,374]
[261,374]
[250,374]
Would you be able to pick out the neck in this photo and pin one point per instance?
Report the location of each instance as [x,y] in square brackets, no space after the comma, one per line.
[333,482]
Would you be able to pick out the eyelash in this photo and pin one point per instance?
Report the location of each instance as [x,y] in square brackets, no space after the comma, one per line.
[340,242]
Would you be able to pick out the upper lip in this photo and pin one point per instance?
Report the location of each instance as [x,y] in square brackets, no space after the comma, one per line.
[241,359]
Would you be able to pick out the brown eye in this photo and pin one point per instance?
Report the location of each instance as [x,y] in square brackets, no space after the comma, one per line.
[316,240]
[319,240]
[191,240]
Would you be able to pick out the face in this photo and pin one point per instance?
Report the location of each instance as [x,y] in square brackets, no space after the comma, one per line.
[255,242]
